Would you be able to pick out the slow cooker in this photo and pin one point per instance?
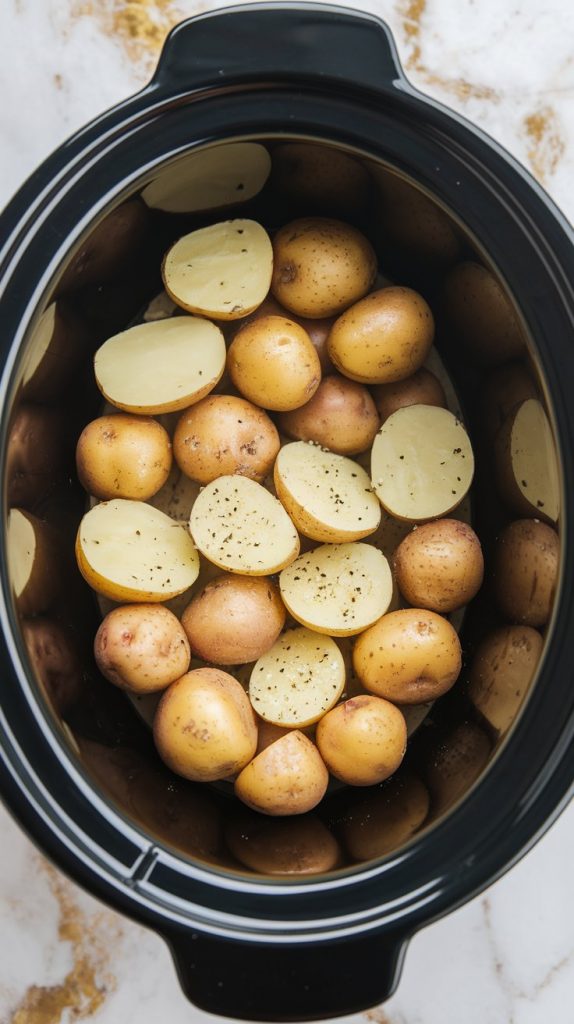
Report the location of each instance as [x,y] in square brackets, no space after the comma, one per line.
[79,261]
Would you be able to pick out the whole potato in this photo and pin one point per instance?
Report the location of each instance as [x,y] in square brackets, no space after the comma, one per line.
[288,777]
[234,619]
[454,763]
[421,388]
[292,846]
[272,363]
[110,246]
[320,178]
[223,434]
[501,673]
[409,656]
[383,338]
[481,315]
[55,661]
[414,225]
[122,456]
[362,741]
[340,416]
[386,817]
[439,565]
[36,453]
[141,647]
[318,330]
[321,266]
[526,561]
[204,728]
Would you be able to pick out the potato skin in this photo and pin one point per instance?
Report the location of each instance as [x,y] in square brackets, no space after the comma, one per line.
[55,661]
[297,846]
[318,330]
[421,388]
[321,266]
[481,315]
[386,817]
[501,673]
[204,728]
[455,763]
[234,619]
[383,338]
[272,363]
[409,656]
[340,416]
[123,456]
[288,777]
[439,565]
[362,741]
[506,388]
[320,178]
[141,648]
[526,571]
[224,435]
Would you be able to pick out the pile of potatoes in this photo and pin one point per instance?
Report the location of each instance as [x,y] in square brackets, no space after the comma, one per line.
[275,492]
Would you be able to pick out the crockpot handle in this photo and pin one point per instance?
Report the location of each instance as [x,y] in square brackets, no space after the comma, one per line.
[276,982]
[279,41]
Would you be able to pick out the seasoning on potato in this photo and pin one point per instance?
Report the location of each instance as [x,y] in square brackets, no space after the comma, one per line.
[222,435]
[301,846]
[385,337]
[242,528]
[338,589]
[328,497]
[409,656]
[272,362]
[321,266]
[526,463]
[122,456]
[300,678]
[362,741]
[439,565]
[204,728]
[422,463]
[221,271]
[481,314]
[142,648]
[288,777]
[421,388]
[525,571]
[161,366]
[234,619]
[130,551]
[341,416]
[501,672]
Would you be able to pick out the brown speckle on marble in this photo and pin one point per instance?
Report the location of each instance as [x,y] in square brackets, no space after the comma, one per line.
[141,26]
[546,146]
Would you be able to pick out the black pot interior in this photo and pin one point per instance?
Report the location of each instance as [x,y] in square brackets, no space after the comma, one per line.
[107,285]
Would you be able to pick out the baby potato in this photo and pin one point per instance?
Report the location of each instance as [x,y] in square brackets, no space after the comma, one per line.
[421,388]
[481,315]
[526,561]
[272,362]
[526,463]
[362,741]
[409,656]
[294,846]
[56,662]
[33,557]
[383,338]
[415,225]
[328,497]
[320,178]
[340,416]
[386,817]
[501,673]
[318,330]
[321,266]
[142,648]
[204,728]
[439,565]
[110,246]
[121,456]
[298,679]
[455,763]
[223,435]
[288,777]
[209,179]
[234,619]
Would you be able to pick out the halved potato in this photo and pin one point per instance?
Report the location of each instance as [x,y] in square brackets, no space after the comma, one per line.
[298,680]
[130,551]
[526,463]
[328,496]
[209,178]
[161,366]
[221,271]
[421,463]
[338,589]
[32,554]
[238,525]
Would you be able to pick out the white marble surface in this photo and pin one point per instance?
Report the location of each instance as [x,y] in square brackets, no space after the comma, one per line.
[508,956]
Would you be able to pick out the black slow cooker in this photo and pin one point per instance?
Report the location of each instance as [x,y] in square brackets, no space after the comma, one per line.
[78,769]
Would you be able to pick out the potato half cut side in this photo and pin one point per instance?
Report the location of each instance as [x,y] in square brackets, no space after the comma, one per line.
[526,463]
[130,551]
[209,178]
[161,366]
[32,556]
[223,270]
[421,463]
[328,496]
[238,525]
[339,589]
[298,680]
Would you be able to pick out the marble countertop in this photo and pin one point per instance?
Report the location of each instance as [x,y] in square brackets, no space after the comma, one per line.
[507,957]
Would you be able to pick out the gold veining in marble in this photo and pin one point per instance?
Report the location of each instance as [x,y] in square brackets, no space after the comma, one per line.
[546,146]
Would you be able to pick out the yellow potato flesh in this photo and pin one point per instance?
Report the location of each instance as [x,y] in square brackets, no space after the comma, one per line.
[208,178]
[299,679]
